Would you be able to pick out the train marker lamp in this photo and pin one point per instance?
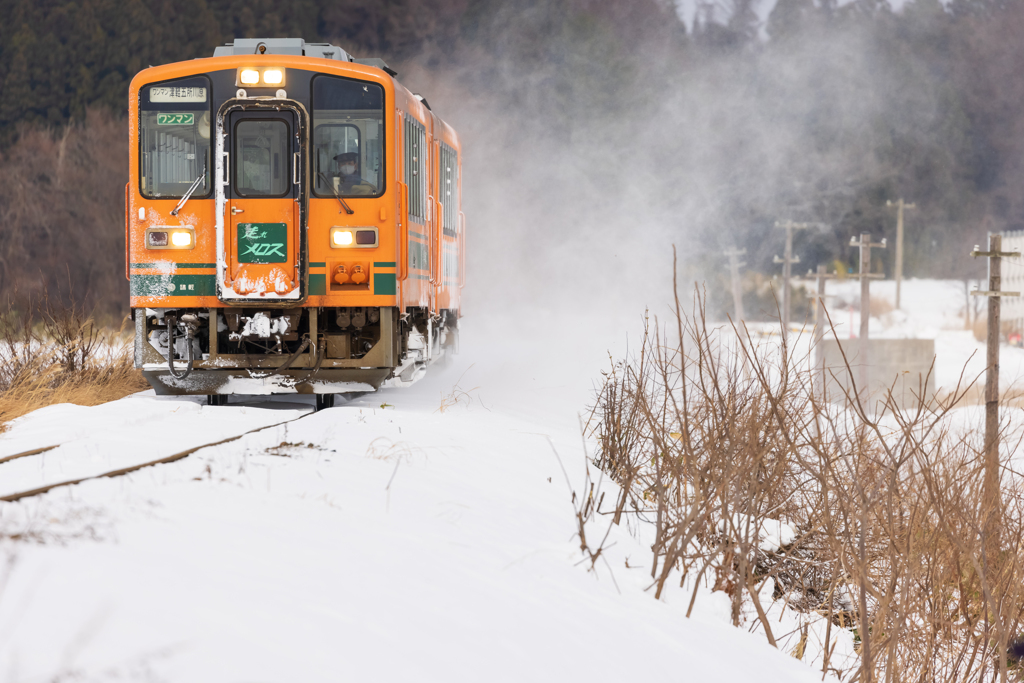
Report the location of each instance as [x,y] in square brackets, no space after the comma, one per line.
[357,238]
[165,237]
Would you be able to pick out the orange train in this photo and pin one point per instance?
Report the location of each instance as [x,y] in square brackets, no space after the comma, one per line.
[293,224]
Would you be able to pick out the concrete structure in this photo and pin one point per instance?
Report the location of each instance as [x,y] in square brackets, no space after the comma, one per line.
[1013,281]
[899,364]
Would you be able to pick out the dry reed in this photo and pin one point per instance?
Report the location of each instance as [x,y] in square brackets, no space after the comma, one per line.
[722,444]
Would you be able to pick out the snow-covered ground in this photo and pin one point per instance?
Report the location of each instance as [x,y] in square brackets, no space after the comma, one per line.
[423,534]
[419,534]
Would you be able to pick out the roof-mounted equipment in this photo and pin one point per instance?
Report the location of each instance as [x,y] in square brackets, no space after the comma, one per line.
[297,47]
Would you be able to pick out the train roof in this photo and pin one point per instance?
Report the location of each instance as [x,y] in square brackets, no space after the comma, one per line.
[296,47]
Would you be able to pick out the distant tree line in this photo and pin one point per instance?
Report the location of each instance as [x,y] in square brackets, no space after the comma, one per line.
[596,114]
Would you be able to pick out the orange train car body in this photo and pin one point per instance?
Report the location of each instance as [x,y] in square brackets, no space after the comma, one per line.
[293,224]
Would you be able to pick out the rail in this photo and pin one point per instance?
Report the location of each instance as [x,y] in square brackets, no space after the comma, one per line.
[11,497]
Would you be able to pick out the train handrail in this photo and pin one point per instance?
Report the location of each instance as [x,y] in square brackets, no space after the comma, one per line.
[403,235]
[127,233]
[431,238]
[462,250]
[439,257]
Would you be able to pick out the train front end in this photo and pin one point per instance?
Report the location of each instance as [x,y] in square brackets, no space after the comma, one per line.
[263,225]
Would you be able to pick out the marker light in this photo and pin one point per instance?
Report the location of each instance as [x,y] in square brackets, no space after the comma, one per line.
[273,76]
[249,77]
[354,237]
[168,237]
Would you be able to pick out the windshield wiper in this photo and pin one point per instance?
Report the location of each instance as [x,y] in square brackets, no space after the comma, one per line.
[335,192]
[328,183]
[193,188]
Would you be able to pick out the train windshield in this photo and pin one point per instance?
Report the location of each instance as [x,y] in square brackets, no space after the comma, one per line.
[348,137]
[174,138]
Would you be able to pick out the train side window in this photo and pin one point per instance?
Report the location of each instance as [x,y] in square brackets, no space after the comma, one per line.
[348,137]
[416,168]
[174,138]
[448,175]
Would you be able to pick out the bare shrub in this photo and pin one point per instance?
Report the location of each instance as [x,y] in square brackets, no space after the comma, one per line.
[873,522]
[50,353]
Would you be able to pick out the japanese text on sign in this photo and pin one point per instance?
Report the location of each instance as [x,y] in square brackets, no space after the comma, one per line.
[175,119]
[168,94]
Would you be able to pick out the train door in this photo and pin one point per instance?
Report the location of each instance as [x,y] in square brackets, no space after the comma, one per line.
[263,240]
[448,224]
[417,271]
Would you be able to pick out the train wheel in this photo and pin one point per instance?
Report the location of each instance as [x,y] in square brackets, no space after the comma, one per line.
[324,401]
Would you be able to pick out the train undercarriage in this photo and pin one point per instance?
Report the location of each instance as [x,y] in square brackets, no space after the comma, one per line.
[325,351]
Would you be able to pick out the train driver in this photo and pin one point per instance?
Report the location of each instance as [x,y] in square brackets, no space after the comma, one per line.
[351,182]
[348,171]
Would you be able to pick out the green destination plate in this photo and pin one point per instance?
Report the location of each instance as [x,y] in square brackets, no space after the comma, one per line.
[262,242]
[175,119]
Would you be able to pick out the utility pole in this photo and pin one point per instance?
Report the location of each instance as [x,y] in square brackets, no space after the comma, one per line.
[734,272]
[819,316]
[865,276]
[737,299]
[787,262]
[990,493]
[900,206]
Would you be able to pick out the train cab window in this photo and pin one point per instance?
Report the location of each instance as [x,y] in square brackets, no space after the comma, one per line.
[262,162]
[174,138]
[338,158]
[348,137]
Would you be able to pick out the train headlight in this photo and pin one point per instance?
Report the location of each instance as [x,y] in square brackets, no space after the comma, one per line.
[167,237]
[359,238]
[271,77]
[248,77]
[181,238]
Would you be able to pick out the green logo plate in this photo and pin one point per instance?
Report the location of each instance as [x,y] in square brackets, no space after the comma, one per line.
[175,119]
[262,242]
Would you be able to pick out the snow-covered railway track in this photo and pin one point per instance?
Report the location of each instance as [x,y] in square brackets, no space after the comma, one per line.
[118,471]
[34,451]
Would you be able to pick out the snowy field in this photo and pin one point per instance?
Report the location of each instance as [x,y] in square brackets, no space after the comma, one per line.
[424,534]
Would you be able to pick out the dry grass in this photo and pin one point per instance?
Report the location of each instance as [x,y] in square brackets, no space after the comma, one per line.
[880,306]
[892,540]
[974,395]
[57,354]
[980,329]
[458,395]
